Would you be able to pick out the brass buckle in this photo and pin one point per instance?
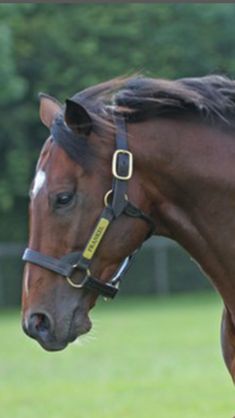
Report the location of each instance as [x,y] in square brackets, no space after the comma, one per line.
[114,164]
[79,285]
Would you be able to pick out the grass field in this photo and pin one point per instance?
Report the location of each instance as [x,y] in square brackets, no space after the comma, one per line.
[145,358]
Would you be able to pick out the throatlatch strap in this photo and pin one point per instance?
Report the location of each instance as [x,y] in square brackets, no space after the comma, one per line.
[134,212]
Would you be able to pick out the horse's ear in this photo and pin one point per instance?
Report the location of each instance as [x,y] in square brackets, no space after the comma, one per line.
[49,108]
[77,117]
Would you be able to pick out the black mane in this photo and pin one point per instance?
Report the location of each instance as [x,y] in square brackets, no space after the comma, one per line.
[210,99]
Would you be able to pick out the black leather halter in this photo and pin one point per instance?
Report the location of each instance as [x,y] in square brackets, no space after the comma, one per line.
[116,203]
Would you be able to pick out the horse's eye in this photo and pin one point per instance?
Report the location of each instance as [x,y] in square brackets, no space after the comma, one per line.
[63,199]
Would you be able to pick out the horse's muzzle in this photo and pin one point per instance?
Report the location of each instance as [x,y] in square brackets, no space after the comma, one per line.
[54,336]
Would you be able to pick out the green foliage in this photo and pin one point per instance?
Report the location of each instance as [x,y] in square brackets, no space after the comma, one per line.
[62,48]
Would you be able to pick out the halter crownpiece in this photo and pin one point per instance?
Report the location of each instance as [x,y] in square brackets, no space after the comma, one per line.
[116,203]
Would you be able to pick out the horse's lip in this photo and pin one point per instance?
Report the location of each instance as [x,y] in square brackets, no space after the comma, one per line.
[53,345]
[77,332]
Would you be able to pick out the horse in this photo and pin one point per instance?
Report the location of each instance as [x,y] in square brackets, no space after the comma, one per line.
[124,160]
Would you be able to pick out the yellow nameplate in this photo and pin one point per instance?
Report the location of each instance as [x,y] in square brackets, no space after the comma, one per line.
[95,238]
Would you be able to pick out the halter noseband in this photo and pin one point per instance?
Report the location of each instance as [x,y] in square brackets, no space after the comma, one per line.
[116,203]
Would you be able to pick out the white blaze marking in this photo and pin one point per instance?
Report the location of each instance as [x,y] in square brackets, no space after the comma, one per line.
[38,182]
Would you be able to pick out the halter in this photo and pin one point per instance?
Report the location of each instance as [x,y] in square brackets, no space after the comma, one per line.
[116,203]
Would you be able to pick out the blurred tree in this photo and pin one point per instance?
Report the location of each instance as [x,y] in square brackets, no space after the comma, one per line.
[62,48]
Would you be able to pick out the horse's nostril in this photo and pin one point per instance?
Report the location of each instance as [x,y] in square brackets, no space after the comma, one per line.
[42,322]
[39,326]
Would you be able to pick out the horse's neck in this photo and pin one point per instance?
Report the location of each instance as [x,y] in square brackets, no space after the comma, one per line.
[189,174]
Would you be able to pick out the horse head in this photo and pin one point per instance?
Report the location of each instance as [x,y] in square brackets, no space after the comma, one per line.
[83,228]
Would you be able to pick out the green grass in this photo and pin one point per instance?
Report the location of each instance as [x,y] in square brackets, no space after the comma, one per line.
[146,358]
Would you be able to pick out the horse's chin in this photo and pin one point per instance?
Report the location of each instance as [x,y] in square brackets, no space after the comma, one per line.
[53,346]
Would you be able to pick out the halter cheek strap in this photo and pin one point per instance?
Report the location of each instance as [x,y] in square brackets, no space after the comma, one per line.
[116,203]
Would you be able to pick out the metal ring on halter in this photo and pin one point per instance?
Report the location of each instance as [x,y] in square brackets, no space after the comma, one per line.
[106,196]
[79,285]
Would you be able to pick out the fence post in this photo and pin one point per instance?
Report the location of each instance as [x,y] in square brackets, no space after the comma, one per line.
[7,250]
[160,248]
[1,288]
[161,277]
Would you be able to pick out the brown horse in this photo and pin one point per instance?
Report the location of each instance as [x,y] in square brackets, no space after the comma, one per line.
[180,184]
